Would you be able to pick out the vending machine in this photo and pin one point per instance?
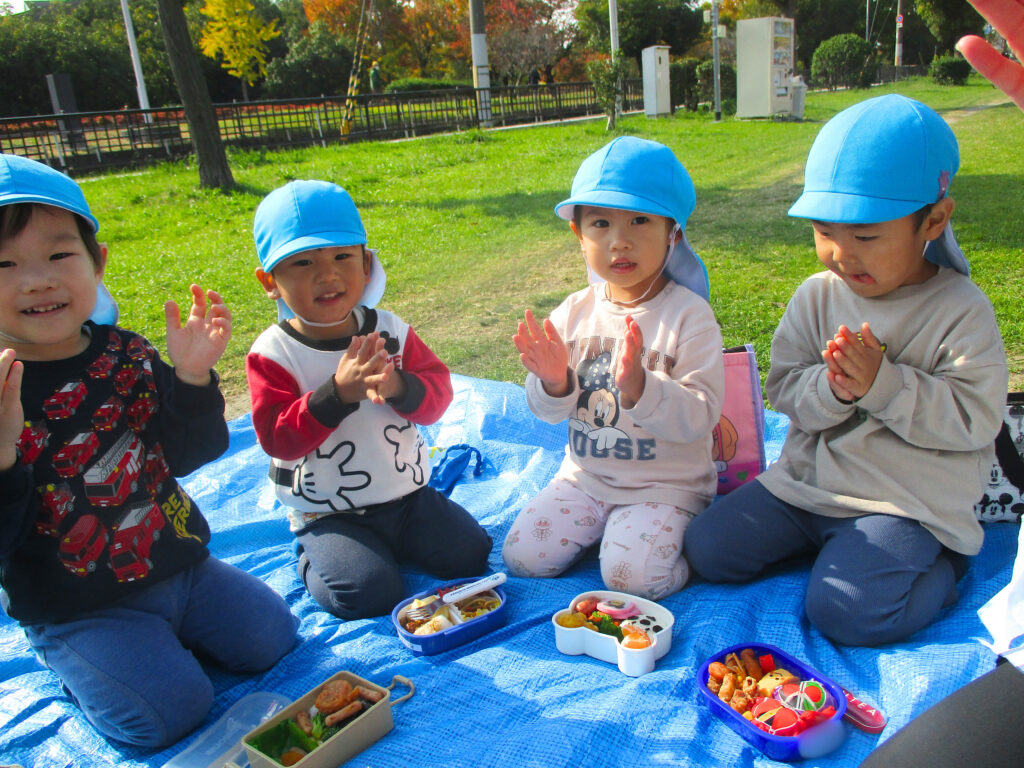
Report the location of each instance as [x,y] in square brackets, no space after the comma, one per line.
[764,66]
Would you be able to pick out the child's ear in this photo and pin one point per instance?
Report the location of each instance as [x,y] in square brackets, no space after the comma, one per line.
[367,264]
[101,262]
[575,230]
[269,286]
[937,219]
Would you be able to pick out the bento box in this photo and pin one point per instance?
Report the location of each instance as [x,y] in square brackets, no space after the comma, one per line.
[797,709]
[630,631]
[357,732]
[451,614]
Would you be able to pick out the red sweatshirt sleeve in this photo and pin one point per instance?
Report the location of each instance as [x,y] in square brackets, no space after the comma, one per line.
[281,415]
[428,380]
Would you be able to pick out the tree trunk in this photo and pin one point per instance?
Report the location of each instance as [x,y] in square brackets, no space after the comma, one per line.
[195,97]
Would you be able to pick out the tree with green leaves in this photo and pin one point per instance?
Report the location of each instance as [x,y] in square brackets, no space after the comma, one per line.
[237,35]
[606,74]
[949,20]
[642,23]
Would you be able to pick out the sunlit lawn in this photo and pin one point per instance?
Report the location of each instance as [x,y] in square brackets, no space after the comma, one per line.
[467,235]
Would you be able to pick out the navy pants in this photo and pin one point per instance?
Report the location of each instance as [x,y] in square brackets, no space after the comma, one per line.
[349,561]
[876,578]
[133,668]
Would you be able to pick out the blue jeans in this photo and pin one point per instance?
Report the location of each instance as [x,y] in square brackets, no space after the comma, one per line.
[131,668]
[876,578]
[349,561]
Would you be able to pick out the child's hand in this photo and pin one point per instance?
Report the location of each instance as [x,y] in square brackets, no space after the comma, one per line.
[363,372]
[630,376]
[12,416]
[194,348]
[544,354]
[853,362]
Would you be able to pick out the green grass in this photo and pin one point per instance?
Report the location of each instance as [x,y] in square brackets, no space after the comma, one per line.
[468,239]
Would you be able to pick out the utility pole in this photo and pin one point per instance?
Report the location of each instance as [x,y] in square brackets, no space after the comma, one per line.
[481,72]
[613,29]
[714,51]
[898,59]
[867,20]
[133,48]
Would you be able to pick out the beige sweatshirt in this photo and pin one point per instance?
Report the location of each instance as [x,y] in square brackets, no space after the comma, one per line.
[919,444]
[659,450]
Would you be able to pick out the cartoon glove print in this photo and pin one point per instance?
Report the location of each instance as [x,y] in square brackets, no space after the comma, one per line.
[406,441]
[322,479]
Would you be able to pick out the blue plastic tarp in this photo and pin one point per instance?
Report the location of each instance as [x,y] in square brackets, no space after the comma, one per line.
[510,698]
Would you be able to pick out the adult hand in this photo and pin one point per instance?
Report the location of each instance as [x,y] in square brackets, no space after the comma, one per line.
[195,347]
[544,354]
[1007,16]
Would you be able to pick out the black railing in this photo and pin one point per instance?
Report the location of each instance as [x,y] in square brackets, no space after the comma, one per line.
[89,141]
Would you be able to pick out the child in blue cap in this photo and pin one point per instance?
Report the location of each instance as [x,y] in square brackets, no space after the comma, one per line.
[103,556]
[634,361]
[892,370]
[337,388]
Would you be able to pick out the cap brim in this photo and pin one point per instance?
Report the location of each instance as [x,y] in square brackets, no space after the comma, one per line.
[844,208]
[612,199]
[55,202]
[310,242]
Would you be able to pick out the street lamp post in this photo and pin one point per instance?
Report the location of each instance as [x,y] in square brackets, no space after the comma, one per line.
[140,81]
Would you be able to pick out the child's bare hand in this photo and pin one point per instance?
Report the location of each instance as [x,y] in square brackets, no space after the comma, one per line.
[195,347]
[544,354]
[12,416]
[630,376]
[858,360]
[361,367]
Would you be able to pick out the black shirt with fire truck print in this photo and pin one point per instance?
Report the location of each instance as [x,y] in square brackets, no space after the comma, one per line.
[92,511]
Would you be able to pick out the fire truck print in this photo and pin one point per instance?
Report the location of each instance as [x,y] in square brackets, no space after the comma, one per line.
[114,342]
[102,367]
[140,411]
[115,475]
[55,501]
[125,378]
[133,537]
[72,458]
[138,349]
[105,418]
[65,401]
[34,438]
[81,547]
[155,469]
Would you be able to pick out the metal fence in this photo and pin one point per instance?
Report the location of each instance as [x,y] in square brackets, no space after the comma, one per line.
[82,142]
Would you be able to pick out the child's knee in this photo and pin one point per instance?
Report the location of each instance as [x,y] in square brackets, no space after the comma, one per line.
[653,580]
[151,719]
[863,620]
[277,637]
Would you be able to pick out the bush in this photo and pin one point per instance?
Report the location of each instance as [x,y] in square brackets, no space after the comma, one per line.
[682,78]
[843,61]
[406,84]
[949,70]
[726,84]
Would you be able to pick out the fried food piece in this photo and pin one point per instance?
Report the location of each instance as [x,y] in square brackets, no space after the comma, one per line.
[717,670]
[740,702]
[343,714]
[750,664]
[335,695]
[727,689]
